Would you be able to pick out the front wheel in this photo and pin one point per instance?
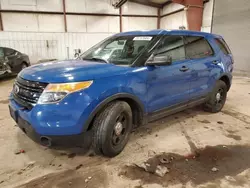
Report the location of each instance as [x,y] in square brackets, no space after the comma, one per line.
[217,98]
[111,129]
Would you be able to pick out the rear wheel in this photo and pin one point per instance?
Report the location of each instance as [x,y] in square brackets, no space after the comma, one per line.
[217,98]
[112,128]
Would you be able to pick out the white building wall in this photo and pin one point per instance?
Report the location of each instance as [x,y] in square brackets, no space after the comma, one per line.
[39,5]
[48,45]
[207,16]
[138,9]
[176,20]
[29,22]
[42,36]
[171,8]
[91,6]
[138,23]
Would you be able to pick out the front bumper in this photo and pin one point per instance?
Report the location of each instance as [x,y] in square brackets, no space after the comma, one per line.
[50,140]
[67,117]
[61,123]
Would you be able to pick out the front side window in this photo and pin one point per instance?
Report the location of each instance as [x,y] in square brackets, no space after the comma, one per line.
[121,50]
[172,47]
[9,51]
[197,47]
[1,53]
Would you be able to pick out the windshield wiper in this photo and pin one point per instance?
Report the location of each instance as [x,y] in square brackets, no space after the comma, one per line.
[97,59]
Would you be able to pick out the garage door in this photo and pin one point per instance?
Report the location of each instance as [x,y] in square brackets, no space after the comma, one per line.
[231,19]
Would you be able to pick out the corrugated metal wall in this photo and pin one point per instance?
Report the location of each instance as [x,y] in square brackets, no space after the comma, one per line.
[175,21]
[231,19]
[42,36]
[48,45]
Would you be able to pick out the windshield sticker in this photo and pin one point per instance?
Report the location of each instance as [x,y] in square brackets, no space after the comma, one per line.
[142,38]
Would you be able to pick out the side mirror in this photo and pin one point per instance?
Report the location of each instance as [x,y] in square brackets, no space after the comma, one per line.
[159,60]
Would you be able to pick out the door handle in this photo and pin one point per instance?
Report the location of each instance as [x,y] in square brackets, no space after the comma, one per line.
[184,69]
[216,62]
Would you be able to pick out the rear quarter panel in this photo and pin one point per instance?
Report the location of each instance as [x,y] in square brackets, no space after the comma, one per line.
[225,67]
[219,70]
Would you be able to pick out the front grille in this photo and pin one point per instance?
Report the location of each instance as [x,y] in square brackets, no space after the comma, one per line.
[26,93]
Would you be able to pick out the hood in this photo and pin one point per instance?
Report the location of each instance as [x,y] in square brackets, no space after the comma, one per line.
[71,71]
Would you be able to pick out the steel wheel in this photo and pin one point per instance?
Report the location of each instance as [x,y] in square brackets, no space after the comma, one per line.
[120,130]
[217,97]
[112,128]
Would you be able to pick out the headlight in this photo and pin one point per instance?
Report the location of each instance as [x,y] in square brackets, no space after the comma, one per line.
[56,92]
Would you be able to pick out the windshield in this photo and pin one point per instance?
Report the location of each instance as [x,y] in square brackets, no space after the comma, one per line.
[121,50]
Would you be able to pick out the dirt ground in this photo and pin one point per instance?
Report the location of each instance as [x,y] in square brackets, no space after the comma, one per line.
[199,149]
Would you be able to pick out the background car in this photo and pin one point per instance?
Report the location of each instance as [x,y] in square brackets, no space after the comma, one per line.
[12,61]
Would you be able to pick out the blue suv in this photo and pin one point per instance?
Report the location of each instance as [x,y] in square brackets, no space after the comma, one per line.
[123,82]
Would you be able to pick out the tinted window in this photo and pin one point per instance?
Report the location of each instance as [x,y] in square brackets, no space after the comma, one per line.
[1,53]
[9,51]
[172,46]
[223,46]
[197,47]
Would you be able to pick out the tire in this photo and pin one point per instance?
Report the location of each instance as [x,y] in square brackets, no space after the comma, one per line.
[217,98]
[111,129]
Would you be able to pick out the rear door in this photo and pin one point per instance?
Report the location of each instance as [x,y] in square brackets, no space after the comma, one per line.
[203,63]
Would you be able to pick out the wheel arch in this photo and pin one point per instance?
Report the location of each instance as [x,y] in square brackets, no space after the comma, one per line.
[25,62]
[134,102]
[225,78]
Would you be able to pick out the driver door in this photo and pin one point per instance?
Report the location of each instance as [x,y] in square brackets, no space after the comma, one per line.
[168,85]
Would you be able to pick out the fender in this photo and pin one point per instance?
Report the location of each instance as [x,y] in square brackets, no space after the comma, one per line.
[108,100]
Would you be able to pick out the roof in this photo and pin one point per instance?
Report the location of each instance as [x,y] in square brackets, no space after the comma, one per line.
[165,32]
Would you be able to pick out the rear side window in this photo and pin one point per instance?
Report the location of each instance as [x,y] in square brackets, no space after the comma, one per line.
[197,47]
[223,46]
[172,46]
[9,51]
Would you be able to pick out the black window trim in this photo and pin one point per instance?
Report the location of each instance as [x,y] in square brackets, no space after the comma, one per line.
[185,40]
[183,36]
[175,35]
[224,45]
[14,51]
